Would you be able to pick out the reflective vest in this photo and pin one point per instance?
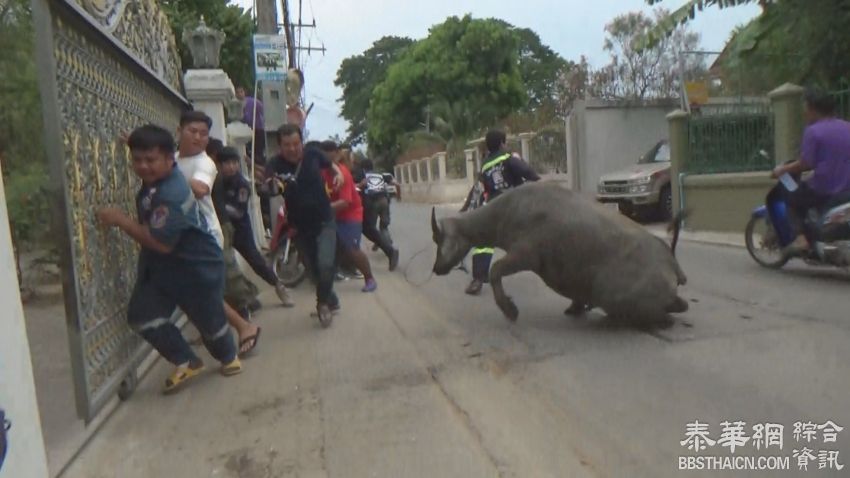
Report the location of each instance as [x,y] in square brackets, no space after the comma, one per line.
[496,179]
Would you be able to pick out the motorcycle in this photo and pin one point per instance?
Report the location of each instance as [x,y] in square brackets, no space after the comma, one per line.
[771,229]
[287,263]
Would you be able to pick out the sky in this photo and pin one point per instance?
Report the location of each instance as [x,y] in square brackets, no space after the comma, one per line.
[570,27]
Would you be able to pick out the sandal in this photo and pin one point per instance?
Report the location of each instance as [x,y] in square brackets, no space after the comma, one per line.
[232,368]
[253,339]
[181,375]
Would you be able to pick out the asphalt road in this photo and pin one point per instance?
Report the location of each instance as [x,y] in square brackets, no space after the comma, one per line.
[419,379]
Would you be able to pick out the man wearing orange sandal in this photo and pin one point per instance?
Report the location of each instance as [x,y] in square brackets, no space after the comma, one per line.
[180,263]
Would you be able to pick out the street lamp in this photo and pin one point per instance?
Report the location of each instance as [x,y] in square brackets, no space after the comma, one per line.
[205,45]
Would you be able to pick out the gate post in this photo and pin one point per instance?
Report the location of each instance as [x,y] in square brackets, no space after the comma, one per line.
[787,103]
[525,146]
[441,166]
[26,455]
[678,124]
[470,165]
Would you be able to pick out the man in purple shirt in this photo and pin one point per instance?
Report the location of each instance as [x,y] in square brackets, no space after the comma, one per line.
[257,150]
[826,150]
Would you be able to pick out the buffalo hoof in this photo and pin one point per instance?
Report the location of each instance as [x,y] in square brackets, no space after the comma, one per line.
[508,308]
[678,306]
[577,308]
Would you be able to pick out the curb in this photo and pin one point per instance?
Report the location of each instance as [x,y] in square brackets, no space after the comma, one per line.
[696,237]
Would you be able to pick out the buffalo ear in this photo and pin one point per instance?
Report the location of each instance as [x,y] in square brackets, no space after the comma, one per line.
[435,228]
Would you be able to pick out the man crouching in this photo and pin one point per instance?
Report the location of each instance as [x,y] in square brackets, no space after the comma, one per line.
[180,263]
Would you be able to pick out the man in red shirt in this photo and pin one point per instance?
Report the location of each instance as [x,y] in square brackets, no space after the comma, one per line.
[348,207]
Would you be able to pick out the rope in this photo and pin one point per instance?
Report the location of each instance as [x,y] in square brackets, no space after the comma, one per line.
[461,267]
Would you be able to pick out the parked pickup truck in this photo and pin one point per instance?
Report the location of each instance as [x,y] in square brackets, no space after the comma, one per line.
[643,190]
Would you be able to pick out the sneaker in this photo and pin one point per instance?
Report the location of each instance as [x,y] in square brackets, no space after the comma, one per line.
[338,277]
[474,287]
[357,275]
[370,286]
[325,315]
[234,367]
[394,260]
[283,295]
[182,374]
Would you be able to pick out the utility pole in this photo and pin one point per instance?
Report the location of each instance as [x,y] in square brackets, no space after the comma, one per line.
[289,31]
[267,17]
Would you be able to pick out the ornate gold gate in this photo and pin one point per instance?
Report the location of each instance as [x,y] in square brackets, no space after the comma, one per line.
[105,67]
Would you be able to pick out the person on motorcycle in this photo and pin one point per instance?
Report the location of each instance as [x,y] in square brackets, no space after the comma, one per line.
[826,150]
[502,170]
[376,210]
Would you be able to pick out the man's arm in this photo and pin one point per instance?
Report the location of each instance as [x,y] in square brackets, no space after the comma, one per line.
[807,160]
[201,182]
[522,169]
[113,217]
[797,167]
[199,188]
[339,179]
[340,205]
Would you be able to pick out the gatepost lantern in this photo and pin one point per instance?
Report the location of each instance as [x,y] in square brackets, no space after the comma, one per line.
[205,45]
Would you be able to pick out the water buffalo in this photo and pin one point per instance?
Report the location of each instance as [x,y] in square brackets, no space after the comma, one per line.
[581,249]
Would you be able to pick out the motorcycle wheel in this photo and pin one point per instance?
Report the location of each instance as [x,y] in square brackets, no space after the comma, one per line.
[763,244]
[290,270]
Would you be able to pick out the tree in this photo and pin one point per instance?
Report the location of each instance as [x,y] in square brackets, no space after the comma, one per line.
[791,41]
[686,12]
[539,66]
[359,75]
[642,73]
[462,60]
[236,23]
[22,158]
[572,85]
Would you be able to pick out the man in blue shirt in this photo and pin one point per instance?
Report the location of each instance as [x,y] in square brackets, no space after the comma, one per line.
[180,264]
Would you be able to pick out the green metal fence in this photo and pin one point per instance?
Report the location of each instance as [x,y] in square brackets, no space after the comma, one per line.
[842,103]
[730,143]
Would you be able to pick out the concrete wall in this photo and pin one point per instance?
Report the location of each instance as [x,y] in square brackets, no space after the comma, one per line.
[449,191]
[26,456]
[606,136]
[723,202]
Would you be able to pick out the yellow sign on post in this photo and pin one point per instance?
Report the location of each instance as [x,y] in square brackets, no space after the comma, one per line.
[697,92]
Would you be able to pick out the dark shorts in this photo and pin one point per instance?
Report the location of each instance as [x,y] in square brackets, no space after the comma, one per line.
[348,233]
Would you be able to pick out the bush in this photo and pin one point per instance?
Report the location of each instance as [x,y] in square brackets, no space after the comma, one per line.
[28,204]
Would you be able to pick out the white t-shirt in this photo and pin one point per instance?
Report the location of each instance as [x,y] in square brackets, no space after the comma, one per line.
[202,168]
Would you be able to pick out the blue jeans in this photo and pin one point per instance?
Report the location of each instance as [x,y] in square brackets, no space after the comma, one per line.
[319,251]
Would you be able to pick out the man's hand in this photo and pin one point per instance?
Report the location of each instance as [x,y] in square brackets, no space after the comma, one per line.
[110,216]
[777,171]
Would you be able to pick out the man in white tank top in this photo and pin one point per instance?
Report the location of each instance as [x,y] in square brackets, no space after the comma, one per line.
[198,168]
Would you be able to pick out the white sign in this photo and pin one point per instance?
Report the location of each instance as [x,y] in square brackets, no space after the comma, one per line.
[270,57]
